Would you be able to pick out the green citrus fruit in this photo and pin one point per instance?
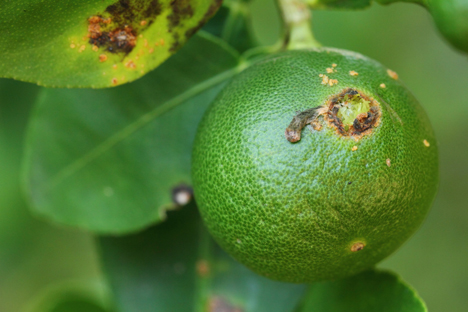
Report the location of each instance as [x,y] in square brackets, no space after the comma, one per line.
[451,17]
[314,165]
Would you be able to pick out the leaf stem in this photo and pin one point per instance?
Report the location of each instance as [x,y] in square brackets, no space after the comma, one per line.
[297,25]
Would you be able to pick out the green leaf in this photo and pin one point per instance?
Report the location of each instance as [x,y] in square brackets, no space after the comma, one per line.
[233,24]
[370,291]
[176,266]
[339,4]
[109,160]
[72,296]
[94,43]
[353,4]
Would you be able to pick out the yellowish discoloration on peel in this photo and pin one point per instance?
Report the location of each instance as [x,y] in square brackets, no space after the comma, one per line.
[392,74]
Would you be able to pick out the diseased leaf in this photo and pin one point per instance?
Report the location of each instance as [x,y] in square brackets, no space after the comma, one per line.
[109,160]
[176,266]
[370,291]
[94,43]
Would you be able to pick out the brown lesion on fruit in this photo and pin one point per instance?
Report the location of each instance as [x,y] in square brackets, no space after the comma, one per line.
[357,246]
[351,112]
[218,304]
[363,123]
[117,28]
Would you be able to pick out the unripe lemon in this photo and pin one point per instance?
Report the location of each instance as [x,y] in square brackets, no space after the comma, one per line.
[314,165]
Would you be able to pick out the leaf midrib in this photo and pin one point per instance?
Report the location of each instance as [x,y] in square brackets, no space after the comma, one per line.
[127,131]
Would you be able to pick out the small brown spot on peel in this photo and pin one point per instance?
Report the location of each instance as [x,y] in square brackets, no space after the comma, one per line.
[334,65]
[143,23]
[426,143]
[102,58]
[324,79]
[130,64]
[392,74]
[332,82]
[114,66]
[151,50]
[203,268]
[95,48]
[114,81]
[82,48]
[355,148]
[383,86]
[329,70]
[353,73]
[388,162]
[357,246]
[72,46]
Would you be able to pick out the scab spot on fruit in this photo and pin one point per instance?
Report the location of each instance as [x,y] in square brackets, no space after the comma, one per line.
[426,143]
[352,113]
[203,268]
[238,241]
[388,161]
[383,86]
[392,74]
[293,131]
[182,194]
[332,82]
[357,246]
[324,79]
[353,73]
[355,148]
[72,46]
[217,304]
[114,81]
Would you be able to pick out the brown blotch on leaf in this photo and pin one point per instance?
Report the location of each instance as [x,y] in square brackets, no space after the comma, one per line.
[218,304]
[357,246]
[117,28]
[209,13]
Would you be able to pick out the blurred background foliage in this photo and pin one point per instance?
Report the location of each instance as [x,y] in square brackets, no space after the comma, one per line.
[34,254]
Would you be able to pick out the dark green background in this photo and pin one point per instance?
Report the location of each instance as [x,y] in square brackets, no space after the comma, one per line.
[34,254]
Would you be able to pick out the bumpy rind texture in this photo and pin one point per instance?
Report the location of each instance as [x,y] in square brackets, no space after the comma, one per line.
[293,211]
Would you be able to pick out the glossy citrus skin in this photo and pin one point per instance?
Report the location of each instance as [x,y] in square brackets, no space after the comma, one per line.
[451,17]
[296,211]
